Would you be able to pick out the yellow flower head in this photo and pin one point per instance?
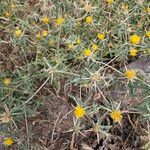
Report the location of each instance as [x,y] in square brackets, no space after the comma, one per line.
[7,14]
[13,6]
[79,112]
[87,52]
[8,141]
[94,47]
[133,52]
[45,20]
[101,36]
[116,115]
[70,46]
[130,74]
[44,33]
[18,32]
[89,19]
[38,35]
[148,10]
[59,21]
[51,42]
[135,39]
[109,1]
[7,81]
[125,8]
[148,34]
[78,41]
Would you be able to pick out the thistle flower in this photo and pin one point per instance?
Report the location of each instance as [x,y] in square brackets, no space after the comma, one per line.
[87,52]
[7,81]
[38,36]
[109,1]
[78,41]
[8,141]
[70,46]
[148,34]
[45,20]
[148,10]
[89,19]
[125,8]
[7,14]
[51,42]
[94,47]
[79,112]
[44,33]
[116,115]
[13,6]
[133,52]
[101,36]
[130,74]
[135,39]
[59,21]
[18,32]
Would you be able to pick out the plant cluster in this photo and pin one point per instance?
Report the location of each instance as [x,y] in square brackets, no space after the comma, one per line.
[88,44]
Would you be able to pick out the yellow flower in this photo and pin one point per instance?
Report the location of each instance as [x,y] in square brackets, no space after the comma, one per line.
[109,1]
[135,39]
[59,21]
[45,20]
[148,10]
[78,41]
[89,19]
[38,36]
[8,141]
[87,52]
[133,52]
[79,112]
[13,6]
[18,32]
[7,14]
[44,33]
[148,34]
[7,81]
[116,115]
[70,46]
[125,8]
[94,47]
[130,74]
[101,36]
[51,42]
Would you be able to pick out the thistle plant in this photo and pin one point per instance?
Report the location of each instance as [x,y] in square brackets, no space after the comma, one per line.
[68,44]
